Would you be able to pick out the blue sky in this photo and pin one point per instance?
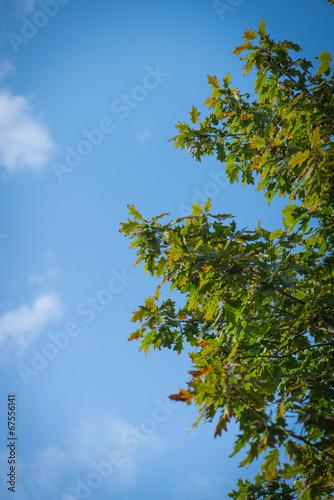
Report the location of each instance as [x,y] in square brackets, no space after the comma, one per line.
[90,92]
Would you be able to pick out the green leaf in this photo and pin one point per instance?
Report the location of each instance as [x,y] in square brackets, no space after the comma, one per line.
[128,227]
[260,82]
[262,28]
[257,142]
[174,239]
[256,305]
[197,209]
[324,58]
[250,35]
[299,158]
[269,468]
[194,114]
[207,205]
[134,212]
[212,80]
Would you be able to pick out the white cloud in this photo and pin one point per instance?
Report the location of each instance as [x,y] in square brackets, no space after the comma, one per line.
[22,325]
[24,141]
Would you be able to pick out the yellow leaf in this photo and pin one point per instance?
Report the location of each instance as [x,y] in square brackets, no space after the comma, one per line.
[208,101]
[315,137]
[299,158]
[249,35]
[290,389]
[207,206]
[238,50]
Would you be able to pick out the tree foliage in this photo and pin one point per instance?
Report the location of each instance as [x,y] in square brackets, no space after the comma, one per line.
[258,305]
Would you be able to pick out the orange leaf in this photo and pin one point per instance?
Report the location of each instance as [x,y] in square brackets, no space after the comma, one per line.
[182,396]
[182,316]
[198,373]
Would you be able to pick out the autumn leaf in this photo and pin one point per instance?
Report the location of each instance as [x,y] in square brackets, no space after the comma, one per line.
[183,395]
[134,212]
[212,80]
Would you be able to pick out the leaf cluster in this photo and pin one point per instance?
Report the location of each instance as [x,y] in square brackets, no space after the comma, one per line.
[283,139]
[258,305]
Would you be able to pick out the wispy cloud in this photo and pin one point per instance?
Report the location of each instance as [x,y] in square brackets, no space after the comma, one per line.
[6,68]
[200,486]
[22,326]
[46,466]
[143,134]
[25,143]
[95,439]
[42,279]
[89,451]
